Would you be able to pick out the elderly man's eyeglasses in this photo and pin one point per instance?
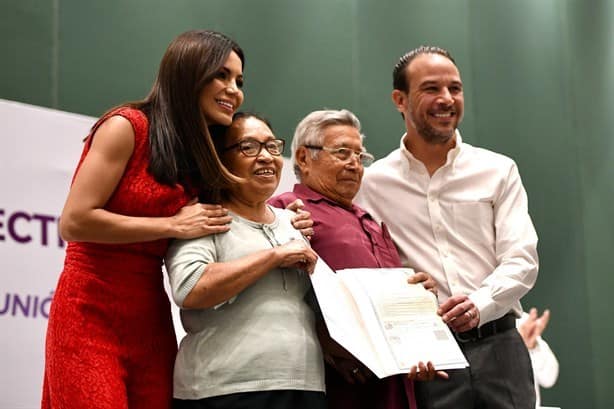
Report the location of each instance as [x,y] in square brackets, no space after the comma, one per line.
[253,147]
[345,154]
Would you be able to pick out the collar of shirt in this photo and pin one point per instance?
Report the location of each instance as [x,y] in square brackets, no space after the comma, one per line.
[316,197]
[347,237]
[419,166]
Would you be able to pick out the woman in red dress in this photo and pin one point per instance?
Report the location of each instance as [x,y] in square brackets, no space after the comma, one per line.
[110,339]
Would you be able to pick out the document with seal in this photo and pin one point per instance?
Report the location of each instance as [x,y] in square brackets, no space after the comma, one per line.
[388,324]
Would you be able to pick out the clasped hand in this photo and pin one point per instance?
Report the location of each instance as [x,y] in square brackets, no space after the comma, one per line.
[459,313]
[297,254]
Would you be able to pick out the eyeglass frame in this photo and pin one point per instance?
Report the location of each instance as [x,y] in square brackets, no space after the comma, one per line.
[261,145]
[360,154]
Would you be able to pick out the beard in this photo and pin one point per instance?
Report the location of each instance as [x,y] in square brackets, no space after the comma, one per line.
[429,133]
[432,135]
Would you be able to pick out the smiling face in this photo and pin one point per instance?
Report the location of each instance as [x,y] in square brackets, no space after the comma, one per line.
[336,179]
[434,105]
[223,95]
[262,172]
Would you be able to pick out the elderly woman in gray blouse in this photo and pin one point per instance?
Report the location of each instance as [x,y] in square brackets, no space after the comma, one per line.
[251,339]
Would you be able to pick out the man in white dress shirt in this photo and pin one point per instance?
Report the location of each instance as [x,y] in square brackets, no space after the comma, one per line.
[459,213]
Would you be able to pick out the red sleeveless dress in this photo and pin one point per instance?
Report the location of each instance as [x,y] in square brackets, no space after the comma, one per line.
[110,339]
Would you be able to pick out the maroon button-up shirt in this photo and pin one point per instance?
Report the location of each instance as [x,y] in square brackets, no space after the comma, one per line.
[344,238]
[350,238]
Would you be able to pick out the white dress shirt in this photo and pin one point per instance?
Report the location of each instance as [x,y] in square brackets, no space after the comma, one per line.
[467,225]
[544,363]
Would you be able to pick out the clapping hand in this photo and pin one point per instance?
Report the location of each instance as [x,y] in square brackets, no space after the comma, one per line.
[533,327]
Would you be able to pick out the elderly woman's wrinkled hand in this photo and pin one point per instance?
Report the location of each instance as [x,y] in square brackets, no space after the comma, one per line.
[297,254]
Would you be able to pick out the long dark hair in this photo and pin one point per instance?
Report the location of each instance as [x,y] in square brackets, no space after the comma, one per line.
[181,147]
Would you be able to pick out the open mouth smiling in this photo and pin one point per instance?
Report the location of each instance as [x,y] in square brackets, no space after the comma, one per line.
[228,105]
[265,172]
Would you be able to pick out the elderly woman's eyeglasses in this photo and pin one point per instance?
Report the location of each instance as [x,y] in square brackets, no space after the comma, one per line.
[252,147]
[345,154]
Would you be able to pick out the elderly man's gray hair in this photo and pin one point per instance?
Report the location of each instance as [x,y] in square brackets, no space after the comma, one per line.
[311,128]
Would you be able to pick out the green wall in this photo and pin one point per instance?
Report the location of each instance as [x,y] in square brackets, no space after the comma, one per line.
[539,87]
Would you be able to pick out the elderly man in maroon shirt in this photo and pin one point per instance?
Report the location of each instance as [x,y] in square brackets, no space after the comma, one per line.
[329,159]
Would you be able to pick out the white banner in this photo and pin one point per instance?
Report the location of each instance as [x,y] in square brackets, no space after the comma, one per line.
[39,150]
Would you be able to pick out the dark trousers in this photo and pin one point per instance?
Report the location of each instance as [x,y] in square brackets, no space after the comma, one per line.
[284,399]
[388,393]
[499,377]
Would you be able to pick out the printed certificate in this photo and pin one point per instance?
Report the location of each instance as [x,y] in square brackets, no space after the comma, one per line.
[388,324]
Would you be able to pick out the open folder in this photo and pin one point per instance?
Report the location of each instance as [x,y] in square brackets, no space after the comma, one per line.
[386,323]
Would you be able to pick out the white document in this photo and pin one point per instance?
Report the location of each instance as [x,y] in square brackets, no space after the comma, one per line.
[388,324]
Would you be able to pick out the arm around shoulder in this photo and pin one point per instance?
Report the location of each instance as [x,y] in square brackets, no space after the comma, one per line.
[84,217]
